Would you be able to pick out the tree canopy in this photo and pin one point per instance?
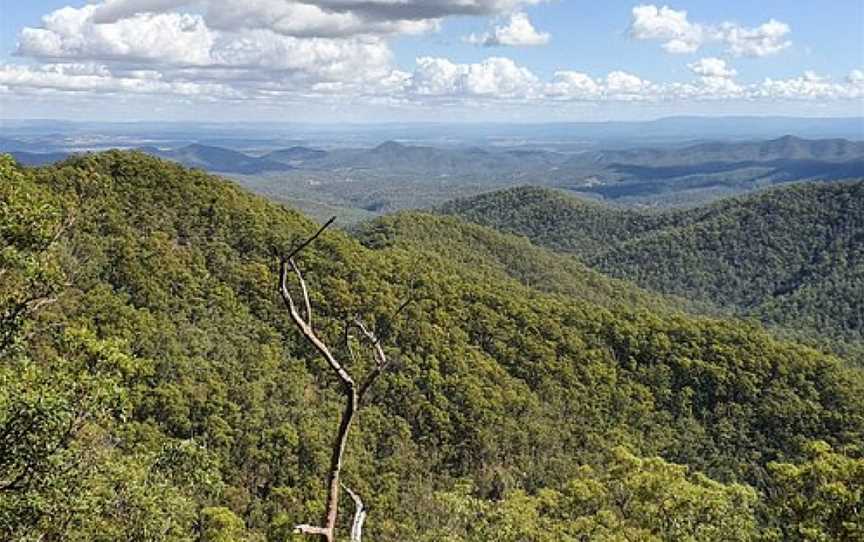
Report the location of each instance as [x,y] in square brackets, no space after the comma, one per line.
[152,386]
[791,257]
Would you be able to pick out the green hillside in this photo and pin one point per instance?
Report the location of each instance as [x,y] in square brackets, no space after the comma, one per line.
[792,256]
[152,386]
[498,256]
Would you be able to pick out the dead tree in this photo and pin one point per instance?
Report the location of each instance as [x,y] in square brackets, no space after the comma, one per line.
[353,390]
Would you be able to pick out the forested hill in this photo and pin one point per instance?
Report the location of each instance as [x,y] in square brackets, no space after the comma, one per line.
[499,256]
[153,388]
[784,148]
[793,256]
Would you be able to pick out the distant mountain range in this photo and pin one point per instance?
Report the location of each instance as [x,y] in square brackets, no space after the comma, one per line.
[727,168]
[391,175]
[784,148]
[218,159]
[38,158]
[565,136]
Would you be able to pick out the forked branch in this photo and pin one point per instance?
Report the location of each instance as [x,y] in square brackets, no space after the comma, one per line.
[381,361]
[353,394]
[359,515]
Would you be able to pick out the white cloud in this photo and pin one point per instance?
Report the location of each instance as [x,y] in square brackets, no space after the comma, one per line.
[519,32]
[183,47]
[716,81]
[620,83]
[94,79]
[766,39]
[420,9]
[337,52]
[257,48]
[304,19]
[712,67]
[574,85]
[808,86]
[434,80]
[494,77]
[320,18]
[111,11]
[173,38]
[669,25]
[680,35]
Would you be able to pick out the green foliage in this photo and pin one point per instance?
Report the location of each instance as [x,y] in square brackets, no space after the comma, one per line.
[501,256]
[219,524]
[791,257]
[30,219]
[630,499]
[820,498]
[166,396]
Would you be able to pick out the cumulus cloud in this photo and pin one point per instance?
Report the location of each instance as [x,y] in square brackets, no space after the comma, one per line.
[810,85]
[501,78]
[519,32]
[574,85]
[420,9]
[266,48]
[184,48]
[620,83]
[766,39]
[322,18]
[167,37]
[434,80]
[668,25]
[264,51]
[316,45]
[304,19]
[494,77]
[94,79]
[113,10]
[680,35]
[712,67]
[716,81]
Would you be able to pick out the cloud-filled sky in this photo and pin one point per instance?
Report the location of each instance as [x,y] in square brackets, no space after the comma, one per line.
[442,60]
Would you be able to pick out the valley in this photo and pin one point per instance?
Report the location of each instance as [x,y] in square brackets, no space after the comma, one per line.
[431,271]
[534,387]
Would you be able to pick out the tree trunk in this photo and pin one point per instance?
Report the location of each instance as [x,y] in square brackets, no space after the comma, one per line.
[353,395]
[336,463]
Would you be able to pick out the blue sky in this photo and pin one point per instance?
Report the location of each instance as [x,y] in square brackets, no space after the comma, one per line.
[507,60]
[593,36]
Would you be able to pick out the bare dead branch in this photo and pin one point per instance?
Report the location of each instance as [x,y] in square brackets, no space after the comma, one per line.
[312,530]
[402,307]
[353,397]
[309,241]
[346,337]
[305,327]
[359,515]
[381,361]
[305,291]
[328,531]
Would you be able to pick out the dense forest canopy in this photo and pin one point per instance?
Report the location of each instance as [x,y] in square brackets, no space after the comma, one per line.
[153,388]
[791,257]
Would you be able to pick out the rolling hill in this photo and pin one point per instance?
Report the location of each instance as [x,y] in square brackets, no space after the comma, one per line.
[38,158]
[152,386]
[784,148]
[792,256]
[218,159]
[396,176]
